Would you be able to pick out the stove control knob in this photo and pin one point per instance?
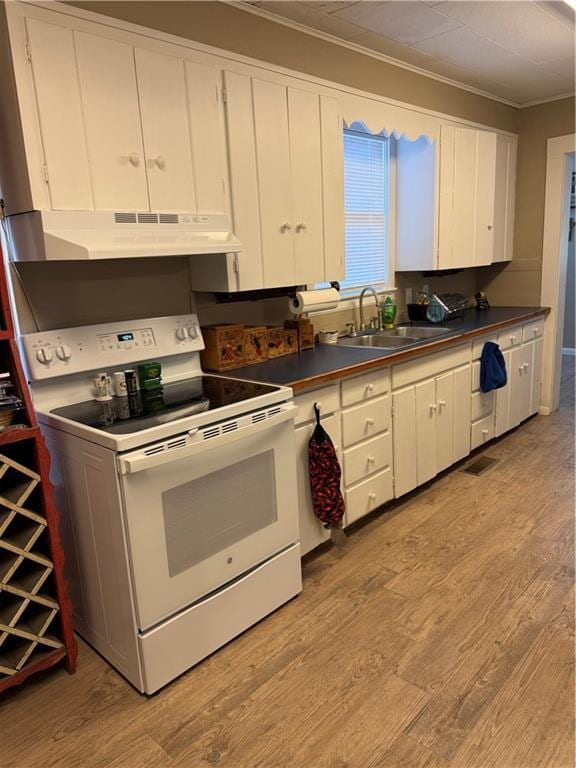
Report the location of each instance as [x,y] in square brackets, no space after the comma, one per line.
[63,352]
[44,355]
[181,334]
[193,331]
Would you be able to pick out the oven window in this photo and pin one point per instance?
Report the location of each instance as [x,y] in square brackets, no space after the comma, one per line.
[209,514]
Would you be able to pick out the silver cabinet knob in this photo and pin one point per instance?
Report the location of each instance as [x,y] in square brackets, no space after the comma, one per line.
[286,227]
[160,162]
[372,496]
[134,159]
[300,227]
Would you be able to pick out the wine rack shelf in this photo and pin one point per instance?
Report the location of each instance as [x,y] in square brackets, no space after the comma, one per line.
[35,612]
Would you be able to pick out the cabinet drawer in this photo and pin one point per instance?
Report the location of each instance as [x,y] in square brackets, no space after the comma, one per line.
[365,421]
[533,330]
[482,431]
[511,337]
[483,404]
[327,399]
[368,495]
[364,387]
[478,346]
[432,364]
[367,458]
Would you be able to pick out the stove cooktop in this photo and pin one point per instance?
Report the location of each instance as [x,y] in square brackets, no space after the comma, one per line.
[126,415]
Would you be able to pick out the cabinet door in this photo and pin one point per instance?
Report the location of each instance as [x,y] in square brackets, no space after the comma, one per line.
[536,378]
[445,421]
[240,133]
[312,532]
[306,177]
[426,444]
[404,440]
[60,113]
[462,409]
[466,197]
[112,119]
[503,399]
[333,188]
[164,112]
[275,196]
[206,117]
[504,197]
[521,361]
[485,191]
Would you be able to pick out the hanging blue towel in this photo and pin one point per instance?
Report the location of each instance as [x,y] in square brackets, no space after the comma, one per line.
[492,368]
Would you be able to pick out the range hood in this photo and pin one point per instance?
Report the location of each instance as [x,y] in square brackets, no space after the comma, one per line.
[86,236]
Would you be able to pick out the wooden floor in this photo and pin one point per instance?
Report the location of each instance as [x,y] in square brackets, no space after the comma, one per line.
[442,636]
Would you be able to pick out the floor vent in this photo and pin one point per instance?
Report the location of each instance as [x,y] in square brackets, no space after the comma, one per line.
[125,218]
[480,465]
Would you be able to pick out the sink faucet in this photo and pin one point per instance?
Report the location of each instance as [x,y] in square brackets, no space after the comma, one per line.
[372,290]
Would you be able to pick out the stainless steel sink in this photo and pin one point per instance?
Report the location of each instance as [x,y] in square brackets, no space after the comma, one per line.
[419,333]
[379,341]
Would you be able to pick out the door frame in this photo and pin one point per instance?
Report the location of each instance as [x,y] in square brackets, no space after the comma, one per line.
[554,263]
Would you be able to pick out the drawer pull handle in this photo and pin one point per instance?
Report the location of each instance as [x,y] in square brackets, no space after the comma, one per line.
[526,366]
[371,459]
[372,496]
[535,331]
[433,406]
[520,368]
[134,159]
[370,387]
[369,422]
[484,431]
[512,339]
[441,403]
[285,227]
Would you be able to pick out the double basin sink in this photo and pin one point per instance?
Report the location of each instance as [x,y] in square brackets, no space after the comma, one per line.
[403,336]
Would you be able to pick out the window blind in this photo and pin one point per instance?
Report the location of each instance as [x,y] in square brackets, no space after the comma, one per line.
[366,209]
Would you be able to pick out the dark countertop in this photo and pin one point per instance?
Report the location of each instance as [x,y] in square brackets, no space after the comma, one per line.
[327,362]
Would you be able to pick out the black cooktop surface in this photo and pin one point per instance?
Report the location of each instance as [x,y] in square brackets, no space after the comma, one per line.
[146,409]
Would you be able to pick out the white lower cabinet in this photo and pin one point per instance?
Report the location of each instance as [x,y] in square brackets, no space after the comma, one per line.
[398,428]
[431,427]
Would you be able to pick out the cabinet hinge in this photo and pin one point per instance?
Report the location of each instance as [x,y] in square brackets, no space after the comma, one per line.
[28,52]
[45,172]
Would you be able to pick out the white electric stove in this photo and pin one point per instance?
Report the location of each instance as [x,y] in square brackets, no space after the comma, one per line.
[180,521]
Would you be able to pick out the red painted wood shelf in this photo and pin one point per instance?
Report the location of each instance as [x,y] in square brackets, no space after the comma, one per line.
[35,612]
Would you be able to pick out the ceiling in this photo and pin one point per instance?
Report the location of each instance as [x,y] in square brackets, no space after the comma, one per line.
[520,51]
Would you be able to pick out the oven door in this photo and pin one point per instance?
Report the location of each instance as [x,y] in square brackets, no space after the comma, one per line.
[200,515]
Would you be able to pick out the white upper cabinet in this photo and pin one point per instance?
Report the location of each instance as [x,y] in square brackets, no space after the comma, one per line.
[53,63]
[286,180]
[166,131]
[505,197]
[306,182]
[332,143]
[461,193]
[112,123]
[270,105]
[206,116]
[117,124]
[467,197]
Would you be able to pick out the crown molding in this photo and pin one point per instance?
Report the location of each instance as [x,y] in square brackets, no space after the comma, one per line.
[255,10]
[536,102]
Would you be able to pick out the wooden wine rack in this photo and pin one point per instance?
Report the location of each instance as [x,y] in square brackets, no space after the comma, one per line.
[35,612]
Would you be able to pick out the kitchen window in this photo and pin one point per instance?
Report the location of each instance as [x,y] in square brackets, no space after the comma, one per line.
[366,204]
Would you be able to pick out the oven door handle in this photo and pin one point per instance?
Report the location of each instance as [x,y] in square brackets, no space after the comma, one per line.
[139,461]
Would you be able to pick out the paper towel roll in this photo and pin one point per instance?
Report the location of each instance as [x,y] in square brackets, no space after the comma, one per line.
[311,301]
